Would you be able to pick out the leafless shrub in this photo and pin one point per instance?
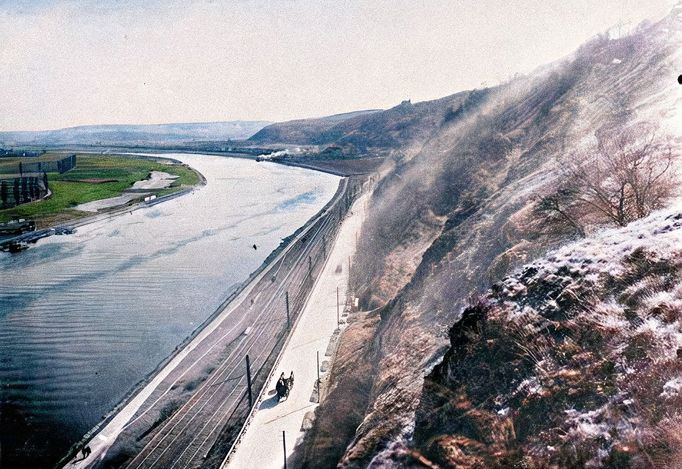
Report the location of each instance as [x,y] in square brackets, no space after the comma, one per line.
[625,177]
[667,448]
[560,211]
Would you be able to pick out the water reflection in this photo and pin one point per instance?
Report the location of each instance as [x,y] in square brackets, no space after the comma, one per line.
[84,317]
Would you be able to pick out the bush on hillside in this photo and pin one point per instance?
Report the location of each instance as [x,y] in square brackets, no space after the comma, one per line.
[627,175]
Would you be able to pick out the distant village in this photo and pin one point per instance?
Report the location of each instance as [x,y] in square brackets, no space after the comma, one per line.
[12,153]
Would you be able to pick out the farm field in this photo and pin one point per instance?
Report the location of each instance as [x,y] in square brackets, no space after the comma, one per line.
[95,177]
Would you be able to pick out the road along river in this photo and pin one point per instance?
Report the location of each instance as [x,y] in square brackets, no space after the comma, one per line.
[83,318]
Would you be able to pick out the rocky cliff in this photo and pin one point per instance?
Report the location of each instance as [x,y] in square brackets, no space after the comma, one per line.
[574,361]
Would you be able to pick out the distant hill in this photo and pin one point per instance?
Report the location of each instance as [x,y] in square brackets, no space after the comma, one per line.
[312,131]
[135,134]
[367,132]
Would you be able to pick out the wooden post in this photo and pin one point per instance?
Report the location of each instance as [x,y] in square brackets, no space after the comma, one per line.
[248,381]
[286,299]
[284,447]
[338,314]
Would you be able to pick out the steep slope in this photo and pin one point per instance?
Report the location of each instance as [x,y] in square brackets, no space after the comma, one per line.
[572,362]
[454,218]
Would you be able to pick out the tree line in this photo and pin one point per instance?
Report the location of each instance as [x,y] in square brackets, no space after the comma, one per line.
[23,189]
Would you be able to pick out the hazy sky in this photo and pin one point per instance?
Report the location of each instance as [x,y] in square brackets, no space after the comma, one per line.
[79,62]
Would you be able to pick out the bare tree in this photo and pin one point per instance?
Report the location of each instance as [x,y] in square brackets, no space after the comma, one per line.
[628,176]
[625,177]
[4,194]
[559,211]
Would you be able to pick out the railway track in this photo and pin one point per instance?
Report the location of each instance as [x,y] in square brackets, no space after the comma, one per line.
[204,424]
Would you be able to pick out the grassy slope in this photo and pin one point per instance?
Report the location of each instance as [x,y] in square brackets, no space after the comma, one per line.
[574,361]
[68,192]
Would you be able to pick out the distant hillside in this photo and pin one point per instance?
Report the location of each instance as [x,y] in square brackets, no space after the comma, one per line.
[304,131]
[135,134]
[402,126]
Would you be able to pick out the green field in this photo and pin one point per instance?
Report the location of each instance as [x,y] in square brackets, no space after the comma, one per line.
[69,190]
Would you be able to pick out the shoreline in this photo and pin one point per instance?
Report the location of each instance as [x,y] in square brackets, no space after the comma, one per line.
[119,209]
[230,300]
[313,164]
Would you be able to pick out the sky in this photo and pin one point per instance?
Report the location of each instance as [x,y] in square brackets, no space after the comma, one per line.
[78,62]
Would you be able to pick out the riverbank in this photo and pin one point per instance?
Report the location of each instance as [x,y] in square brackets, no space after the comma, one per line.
[98,177]
[85,317]
[340,167]
[106,433]
[337,167]
[343,167]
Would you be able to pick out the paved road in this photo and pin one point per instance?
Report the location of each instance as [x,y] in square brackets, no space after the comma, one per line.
[261,444]
[256,325]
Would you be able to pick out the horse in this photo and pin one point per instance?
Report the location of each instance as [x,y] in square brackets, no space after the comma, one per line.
[284,386]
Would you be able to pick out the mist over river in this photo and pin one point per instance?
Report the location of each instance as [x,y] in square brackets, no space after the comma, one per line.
[85,317]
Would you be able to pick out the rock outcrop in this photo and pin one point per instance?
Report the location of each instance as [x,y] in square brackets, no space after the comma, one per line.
[575,361]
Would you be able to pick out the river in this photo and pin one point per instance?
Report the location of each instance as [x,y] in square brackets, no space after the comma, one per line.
[85,317]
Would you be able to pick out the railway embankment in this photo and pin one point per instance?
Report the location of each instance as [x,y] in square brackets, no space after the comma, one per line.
[203,381]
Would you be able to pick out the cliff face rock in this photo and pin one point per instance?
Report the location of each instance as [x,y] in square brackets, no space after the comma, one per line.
[575,361]
[459,209]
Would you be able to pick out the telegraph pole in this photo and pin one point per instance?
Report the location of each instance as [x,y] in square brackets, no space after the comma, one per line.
[284,446]
[319,391]
[286,299]
[248,380]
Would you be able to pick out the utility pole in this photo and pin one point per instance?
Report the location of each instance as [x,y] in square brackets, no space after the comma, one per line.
[248,381]
[319,391]
[284,446]
[286,299]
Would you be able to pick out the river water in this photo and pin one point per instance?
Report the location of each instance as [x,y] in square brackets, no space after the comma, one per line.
[85,317]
